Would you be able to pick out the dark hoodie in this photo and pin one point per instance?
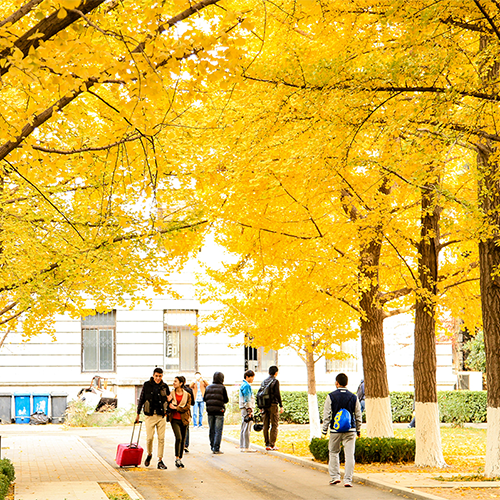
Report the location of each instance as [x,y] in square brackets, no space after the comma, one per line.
[216,395]
[153,398]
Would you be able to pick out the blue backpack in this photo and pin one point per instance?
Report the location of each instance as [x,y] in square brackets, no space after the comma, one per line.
[342,421]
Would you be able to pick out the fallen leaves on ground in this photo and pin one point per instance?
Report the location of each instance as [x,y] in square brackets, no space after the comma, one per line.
[464,449]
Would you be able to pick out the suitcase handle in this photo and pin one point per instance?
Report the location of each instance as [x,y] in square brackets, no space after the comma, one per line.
[138,435]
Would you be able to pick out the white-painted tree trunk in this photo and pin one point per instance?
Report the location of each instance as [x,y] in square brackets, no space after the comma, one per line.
[379,417]
[314,423]
[492,466]
[429,451]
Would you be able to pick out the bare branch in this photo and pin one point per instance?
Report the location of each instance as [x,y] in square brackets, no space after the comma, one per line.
[290,235]
[85,150]
[399,310]
[383,298]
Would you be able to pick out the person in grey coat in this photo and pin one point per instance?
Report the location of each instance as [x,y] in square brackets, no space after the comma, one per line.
[336,401]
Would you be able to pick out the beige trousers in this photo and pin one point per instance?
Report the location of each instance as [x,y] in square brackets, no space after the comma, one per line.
[160,424]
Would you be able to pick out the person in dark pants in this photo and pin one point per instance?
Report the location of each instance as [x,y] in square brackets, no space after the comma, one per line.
[188,389]
[271,415]
[361,395]
[179,416]
[216,398]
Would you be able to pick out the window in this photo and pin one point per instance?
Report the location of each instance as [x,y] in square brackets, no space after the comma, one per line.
[349,364]
[258,360]
[181,343]
[98,342]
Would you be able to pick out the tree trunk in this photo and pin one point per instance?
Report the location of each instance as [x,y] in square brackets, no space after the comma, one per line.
[377,400]
[429,451]
[489,265]
[312,398]
[378,405]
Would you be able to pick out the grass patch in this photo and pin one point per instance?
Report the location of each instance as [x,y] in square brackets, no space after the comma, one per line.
[114,491]
[464,448]
[470,477]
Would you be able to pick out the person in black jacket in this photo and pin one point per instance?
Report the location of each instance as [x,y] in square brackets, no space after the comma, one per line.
[341,399]
[216,398]
[154,399]
[271,415]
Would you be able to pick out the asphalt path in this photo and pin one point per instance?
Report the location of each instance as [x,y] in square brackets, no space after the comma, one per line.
[231,476]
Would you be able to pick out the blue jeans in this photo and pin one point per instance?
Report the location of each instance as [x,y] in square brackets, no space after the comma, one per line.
[198,413]
[215,425]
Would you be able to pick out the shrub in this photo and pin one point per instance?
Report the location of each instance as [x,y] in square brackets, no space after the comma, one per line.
[78,414]
[455,407]
[458,407]
[7,476]
[7,469]
[4,486]
[401,406]
[295,406]
[368,450]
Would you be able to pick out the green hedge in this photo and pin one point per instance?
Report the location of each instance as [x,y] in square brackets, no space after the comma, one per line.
[459,407]
[401,406]
[368,450]
[456,407]
[7,476]
[296,406]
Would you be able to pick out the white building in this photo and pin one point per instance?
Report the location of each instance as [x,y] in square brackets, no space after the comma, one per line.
[124,346]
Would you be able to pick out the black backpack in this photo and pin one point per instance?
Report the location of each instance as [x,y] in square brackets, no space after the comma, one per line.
[264,395]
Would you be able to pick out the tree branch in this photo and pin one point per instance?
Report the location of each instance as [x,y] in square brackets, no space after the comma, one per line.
[383,298]
[289,235]
[399,310]
[45,30]
[488,18]
[19,14]
[85,150]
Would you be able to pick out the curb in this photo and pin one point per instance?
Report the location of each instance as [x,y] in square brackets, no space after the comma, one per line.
[357,478]
[126,486]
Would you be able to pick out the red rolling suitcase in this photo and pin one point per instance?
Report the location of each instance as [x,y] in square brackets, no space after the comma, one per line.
[130,454]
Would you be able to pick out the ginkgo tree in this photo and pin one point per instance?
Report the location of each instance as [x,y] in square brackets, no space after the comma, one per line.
[279,307]
[93,196]
[315,104]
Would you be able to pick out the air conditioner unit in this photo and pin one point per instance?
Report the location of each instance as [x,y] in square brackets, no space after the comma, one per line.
[463,381]
[470,381]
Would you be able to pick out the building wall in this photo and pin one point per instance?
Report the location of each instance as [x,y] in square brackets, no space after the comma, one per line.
[45,365]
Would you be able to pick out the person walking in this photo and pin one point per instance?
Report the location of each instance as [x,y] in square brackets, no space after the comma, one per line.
[246,407]
[154,399]
[361,395]
[333,415]
[198,387]
[179,417]
[216,398]
[270,415]
[190,392]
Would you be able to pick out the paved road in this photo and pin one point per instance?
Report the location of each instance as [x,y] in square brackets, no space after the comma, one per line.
[232,476]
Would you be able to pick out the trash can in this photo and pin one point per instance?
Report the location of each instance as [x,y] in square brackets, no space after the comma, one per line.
[58,406]
[5,408]
[41,403]
[22,403]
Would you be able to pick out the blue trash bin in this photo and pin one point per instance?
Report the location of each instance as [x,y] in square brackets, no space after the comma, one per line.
[22,408]
[41,403]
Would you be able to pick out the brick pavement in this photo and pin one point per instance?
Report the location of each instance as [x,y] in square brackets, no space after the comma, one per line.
[58,467]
